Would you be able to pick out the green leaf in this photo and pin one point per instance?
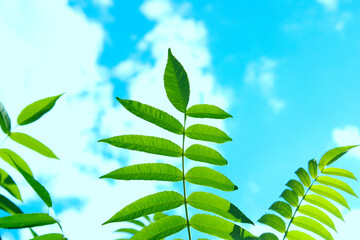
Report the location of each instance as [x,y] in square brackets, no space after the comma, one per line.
[159,215]
[11,158]
[317,214]
[147,171]
[162,228]
[209,177]
[296,186]
[9,185]
[176,83]
[153,203]
[8,206]
[207,133]
[33,233]
[297,235]
[268,236]
[207,111]
[219,227]
[290,196]
[26,220]
[336,183]
[155,145]
[153,115]
[303,176]
[282,208]
[5,122]
[36,110]
[333,155]
[312,226]
[202,153]
[330,193]
[215,204]
[323,203]
[273,221]
[313,168]
[339,172]
[32,143]
[137,222]
[50,236]
[127,230]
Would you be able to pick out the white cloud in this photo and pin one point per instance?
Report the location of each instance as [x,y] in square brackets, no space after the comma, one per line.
[348,135]
[330,5]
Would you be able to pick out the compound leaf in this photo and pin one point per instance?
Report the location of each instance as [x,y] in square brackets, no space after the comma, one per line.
[207,111]
[317,214]
[5,122]
[336,183]
[26,220]
[273,221]
[207,133]
[333,155]
[202,153]
[323,203]
[313,226]
[330,193]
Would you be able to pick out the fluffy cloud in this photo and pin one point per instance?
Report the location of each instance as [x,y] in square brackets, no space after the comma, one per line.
[348,135]
[330,5]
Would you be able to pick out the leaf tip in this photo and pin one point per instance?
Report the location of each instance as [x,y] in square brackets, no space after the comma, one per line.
[236,187]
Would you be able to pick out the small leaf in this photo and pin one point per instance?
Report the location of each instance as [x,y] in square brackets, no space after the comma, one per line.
[155,145]
[303,176]
[176,83]
[219,227]
[313,168]
[36,110]
[207,111]
[333,155]
[330,193]
[290,196]
[336,183]
[297,235]
[162,228]
[159,215]
[11,158]
[32,143]
[50,236]
[215,204]
[202,153]
[153,203]
[147,171]
[137,222]
[339,172]
[8,206]
[268,236]
[282,208]
[273,221]
[207,133]
[296,186]
[317,214]
[26,220]
[323,203]
[9,185]
[313,226]
[153,115]
[209,177]
[5,122]
[127,230]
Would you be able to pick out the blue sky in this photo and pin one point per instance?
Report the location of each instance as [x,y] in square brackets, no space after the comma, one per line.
[286,70]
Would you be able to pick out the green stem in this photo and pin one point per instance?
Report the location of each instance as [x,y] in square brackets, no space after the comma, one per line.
[184,187]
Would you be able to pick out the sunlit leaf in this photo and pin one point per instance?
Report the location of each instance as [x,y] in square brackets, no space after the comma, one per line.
[296,186]
[333,155]
[323,203]
[330,193]
[5,122]
[8,206]
[313,168]
[290,196]
[303,176]
[9,185]
[284,209]
[207,133]
[50,236]
[273,221]
[338,172]
[207,111]
[297,235]
[268,236]
[336,183]
[313,226]
[11,158]
[26,220]
[317,214]
[202,153]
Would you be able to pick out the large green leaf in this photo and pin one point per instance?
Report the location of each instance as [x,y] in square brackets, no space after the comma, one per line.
[153,203]
[290,196]
[333,155]
[283,208]
[153,115]
[313,168]
[202,153]
[273,221]
[209,177]
[9,185]
[26,220]
[36,110]
[164,227]
[303,176]
[215,204]
[147,171]
[317,214]
[330,193]
[296,186]
[32,143]
[176,83]
[323,203]
[11,158]
[8,206]
[50,236]
[297,235]
[313,226]
[207,133]
[207,111]
[268,236]
[219,227]
[339,172]
[5,122]
[336,183]
[147,144]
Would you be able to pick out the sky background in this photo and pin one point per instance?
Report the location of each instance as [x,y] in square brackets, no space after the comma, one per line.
[286,70]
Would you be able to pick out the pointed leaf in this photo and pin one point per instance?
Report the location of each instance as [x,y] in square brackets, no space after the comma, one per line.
[296,186]
[32,143]
[323,203]
[127,230]
[9,185]
[330,193]
[159,215]
[268,236]
[303,176]
[26,220]
[8,206]
[313,168]
[137,222]
[290,196]
[202,153]
[153,115]
[313,226]
[155,145]
[219,227]
[36,110]
[153,203]
[207,133]
[147,171]
[339,172]
[162,228]
[207,111]
[333,155]
[33,233]
[282,208]
[11,157]
[336,183]
[50,236]
[209,177]
[215,204]
[297,235]
[5,122]
[176,83]
[273,221]
[317,214]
